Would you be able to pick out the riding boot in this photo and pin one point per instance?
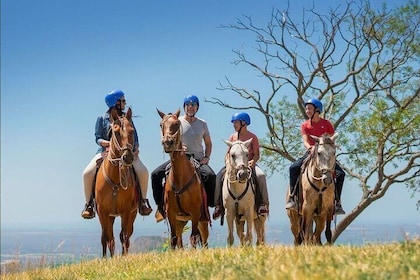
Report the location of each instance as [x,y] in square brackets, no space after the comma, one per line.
[291,200]
[144,205]
[88,211]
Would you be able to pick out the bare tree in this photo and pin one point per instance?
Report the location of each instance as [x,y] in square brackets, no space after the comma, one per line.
[363,64]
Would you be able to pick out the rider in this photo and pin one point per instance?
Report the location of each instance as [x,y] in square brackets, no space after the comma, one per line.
[316,126]
[194,132]
[115,100]
[240,122]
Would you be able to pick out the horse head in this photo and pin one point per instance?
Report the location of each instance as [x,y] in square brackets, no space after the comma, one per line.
[324,155]
[122,138]
[170,129]
[237,160]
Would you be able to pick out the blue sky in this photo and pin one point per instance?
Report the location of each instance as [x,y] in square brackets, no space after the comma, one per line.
[60,58]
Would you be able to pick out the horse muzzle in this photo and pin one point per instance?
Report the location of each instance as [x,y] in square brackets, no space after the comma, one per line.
[326,177]
[242,175]
[168,144]
[127,157]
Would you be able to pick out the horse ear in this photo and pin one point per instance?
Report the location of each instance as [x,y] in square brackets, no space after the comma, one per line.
[334,136]
[227,142]
[177,112]
[114,114]
[129,114]
[248,142]
[315,138]
[161,114]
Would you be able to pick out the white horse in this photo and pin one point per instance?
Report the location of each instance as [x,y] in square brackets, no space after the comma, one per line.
[238,194]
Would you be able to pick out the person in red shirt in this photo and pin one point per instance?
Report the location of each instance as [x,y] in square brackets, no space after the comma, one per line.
[316,126]
[241,121]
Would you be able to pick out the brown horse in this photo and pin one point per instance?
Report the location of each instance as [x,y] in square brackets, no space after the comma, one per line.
[184,193]
[316,198]
[115,192]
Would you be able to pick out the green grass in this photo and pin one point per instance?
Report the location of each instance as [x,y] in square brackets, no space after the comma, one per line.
[388,261]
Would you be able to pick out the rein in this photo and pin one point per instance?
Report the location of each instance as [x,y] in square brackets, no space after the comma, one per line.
[124,170]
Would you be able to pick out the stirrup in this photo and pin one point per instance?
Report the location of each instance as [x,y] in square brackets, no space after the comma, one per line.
[291,203]
[145,208]
[217,212]
[88,212]
[158,216]
[263,209]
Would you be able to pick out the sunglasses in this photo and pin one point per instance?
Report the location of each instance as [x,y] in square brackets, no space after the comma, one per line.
[122,100]
[191,104]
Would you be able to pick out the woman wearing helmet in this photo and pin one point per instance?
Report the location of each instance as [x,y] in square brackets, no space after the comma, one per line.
[240,122]
[195,132]
[317,126]
[114,100]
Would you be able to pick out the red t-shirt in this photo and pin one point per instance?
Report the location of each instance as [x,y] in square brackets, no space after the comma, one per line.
[316,129]
[255,144]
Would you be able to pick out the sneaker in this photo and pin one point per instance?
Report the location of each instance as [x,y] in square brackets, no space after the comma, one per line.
[159,217]
[217,212]
[145,208]
[339,209]
[291,203]
[88,212]
[263,210]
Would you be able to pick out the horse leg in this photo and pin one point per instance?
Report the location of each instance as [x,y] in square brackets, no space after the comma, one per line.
[180,225]
[203,227]
[195,233]
[307,227]
[328,233]
[240,227]
[107,237]
[259,224]
[127,222]
[319,227]
[249,225]
[229,221]
[172,225]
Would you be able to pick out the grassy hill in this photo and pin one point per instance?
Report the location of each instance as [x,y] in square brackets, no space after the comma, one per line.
[388,261]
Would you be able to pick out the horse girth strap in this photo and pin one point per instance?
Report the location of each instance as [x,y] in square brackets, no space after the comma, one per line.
[184,188]
[181,191]
[242,194]
[115,186]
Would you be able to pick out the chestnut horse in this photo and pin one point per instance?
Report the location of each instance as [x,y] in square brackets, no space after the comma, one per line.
[115,192]
[316,198]
[184,193]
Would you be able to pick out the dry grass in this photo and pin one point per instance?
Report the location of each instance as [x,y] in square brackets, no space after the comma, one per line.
[390,261]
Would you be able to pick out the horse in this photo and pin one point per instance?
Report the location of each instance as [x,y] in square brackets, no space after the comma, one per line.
[115,192]
[185,195]
[239,196]
[317,194]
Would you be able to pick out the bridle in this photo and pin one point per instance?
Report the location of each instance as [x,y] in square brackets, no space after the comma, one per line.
[233,167]
[323,171]
[173,137]
[115,157]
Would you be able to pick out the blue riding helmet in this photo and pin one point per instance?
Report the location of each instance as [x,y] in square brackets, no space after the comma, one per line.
[241,116]
[191,98]
[112,97]
[317,104]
